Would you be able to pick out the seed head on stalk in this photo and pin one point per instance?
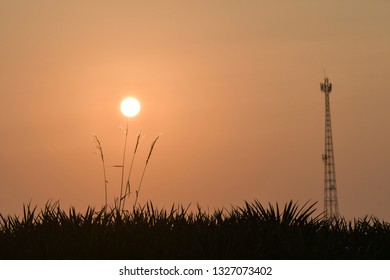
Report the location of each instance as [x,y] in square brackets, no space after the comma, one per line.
[143,172]
[98,145]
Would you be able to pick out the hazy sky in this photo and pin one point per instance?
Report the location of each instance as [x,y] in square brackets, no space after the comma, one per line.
[231,86]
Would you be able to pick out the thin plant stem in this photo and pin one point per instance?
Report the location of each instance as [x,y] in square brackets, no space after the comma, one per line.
[98,145]
[123,163]
[127,191]
[143,172]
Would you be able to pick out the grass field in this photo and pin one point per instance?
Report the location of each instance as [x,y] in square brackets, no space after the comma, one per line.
[248,232]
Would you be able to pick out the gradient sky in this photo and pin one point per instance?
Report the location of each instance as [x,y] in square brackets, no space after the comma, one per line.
[231,86]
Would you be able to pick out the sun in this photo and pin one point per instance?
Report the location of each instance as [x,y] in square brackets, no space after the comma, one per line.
[130,107]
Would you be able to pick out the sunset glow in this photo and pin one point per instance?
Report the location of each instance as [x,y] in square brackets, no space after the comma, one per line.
[233,86]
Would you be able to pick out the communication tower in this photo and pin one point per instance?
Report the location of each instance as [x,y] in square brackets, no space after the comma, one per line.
[331,208]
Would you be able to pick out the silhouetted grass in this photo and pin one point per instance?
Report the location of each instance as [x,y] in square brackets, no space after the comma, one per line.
[125,190]
[248,232]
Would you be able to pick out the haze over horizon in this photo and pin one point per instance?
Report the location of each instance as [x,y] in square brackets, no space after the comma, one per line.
[233,87]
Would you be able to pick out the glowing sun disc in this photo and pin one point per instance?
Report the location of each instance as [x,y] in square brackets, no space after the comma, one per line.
[130,107]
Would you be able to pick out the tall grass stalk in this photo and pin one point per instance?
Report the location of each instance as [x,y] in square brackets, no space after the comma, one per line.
[123,164]
[127,191]
[143,172]
[119,202]
[98,145]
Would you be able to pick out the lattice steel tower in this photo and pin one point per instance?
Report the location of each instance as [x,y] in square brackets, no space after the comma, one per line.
[331,208]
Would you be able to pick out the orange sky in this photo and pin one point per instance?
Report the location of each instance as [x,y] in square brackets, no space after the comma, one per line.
[231,86]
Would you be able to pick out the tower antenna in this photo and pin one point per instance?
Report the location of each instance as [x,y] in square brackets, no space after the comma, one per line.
[331,208]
